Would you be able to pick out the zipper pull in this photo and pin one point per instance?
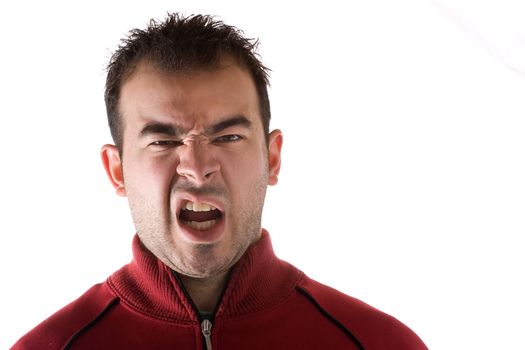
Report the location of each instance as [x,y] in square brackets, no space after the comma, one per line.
[206,331]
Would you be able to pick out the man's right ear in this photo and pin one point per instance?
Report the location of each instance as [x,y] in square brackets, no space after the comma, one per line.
[113,165]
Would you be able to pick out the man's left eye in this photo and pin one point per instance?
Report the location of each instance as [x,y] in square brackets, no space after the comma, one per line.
[228,138]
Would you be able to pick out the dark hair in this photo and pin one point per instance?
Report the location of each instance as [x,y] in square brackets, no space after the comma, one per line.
[182,44]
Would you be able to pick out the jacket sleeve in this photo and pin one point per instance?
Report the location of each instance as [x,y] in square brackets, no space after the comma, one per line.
[373,329]
[58,329]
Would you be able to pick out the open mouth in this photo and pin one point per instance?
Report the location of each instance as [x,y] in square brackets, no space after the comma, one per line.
[199,216]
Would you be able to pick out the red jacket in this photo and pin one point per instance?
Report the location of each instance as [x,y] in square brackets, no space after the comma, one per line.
[267,304]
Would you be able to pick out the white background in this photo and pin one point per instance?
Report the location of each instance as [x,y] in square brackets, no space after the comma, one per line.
[403,178]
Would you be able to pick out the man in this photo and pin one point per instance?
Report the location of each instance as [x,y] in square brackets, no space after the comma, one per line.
[189,113]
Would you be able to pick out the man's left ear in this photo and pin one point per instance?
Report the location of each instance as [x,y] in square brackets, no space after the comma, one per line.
[275,143]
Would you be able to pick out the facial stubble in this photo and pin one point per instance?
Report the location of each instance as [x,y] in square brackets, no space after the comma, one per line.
[157,230]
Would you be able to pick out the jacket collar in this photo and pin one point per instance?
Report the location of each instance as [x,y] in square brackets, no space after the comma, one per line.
[258,281]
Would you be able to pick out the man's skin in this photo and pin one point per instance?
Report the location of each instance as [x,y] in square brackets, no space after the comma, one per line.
[194,137]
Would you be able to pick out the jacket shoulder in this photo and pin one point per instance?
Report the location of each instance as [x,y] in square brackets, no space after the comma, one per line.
[370,327]
[63,325]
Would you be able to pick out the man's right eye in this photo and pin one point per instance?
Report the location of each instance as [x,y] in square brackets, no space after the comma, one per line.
[166,143]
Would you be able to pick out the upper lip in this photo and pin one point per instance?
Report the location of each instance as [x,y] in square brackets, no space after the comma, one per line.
[184,197]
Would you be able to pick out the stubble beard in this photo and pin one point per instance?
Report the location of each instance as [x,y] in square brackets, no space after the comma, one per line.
[157,231]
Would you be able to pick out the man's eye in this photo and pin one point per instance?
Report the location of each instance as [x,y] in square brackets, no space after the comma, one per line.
[228,138]
[166,143]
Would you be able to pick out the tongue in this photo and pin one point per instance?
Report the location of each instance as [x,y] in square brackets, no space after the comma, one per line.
[199,216]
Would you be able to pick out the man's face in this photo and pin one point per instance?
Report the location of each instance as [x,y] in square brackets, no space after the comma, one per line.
[195,165]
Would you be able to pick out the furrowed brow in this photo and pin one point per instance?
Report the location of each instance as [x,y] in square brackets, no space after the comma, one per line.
[157,128]
[238,120]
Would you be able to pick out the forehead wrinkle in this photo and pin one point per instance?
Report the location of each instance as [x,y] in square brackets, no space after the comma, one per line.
[191,111]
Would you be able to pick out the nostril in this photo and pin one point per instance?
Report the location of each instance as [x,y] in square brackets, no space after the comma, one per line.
[197,163]
[197,174]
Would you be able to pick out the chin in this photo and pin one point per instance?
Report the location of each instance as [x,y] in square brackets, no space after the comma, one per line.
[205,261]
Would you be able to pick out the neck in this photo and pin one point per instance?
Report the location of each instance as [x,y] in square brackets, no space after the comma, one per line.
[205,292]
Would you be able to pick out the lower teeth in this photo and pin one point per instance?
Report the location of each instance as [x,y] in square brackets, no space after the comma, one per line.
[201,226]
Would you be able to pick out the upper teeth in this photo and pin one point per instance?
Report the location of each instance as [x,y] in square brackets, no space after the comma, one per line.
[199,206]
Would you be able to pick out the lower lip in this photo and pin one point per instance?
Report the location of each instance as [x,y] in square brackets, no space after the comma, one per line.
[212,235]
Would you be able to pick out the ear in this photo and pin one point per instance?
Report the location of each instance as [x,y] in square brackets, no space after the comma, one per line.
[113,165]
[275,143]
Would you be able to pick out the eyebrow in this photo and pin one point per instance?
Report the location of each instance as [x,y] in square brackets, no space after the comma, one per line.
[158,128]
[173,130]
[238,120]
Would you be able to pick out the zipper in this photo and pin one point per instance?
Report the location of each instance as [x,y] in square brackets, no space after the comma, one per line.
[206,324]
[206,331]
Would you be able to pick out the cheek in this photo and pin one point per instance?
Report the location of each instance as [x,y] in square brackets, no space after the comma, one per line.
[245,170]
[152,176]
[252,156]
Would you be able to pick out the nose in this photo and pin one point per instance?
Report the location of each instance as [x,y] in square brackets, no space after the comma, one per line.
[196,162]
